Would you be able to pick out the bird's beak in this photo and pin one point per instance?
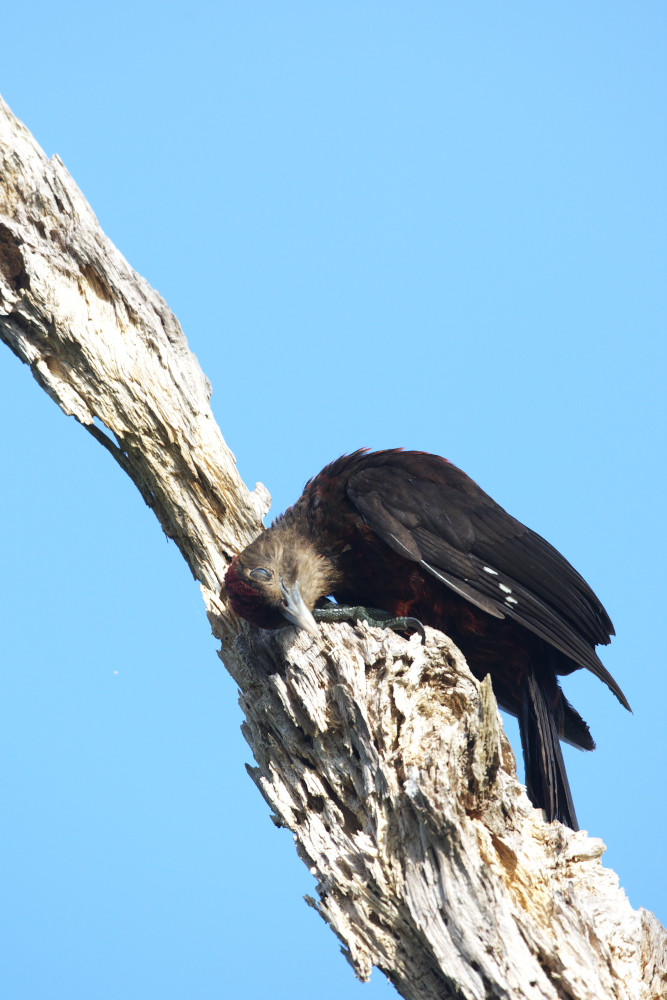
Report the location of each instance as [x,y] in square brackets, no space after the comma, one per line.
[295,610]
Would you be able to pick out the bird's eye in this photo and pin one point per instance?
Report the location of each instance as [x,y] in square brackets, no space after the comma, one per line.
[260,573]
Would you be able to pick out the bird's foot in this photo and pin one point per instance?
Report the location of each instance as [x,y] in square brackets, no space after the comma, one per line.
[374,616]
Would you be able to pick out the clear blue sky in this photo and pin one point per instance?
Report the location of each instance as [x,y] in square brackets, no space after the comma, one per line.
[430,224]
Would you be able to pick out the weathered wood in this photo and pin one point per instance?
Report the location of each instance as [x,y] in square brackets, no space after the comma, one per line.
[386,759]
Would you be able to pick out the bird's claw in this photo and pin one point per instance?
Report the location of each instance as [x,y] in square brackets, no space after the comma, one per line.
[374,616]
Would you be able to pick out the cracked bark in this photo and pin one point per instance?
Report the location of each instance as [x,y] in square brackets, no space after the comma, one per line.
[386,759]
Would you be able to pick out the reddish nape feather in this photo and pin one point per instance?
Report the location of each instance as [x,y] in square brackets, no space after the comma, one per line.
[416,462]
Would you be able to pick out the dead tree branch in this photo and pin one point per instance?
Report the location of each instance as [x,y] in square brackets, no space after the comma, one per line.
[386,759]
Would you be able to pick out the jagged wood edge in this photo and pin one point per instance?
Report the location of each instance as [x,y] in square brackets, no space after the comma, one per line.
[385,758]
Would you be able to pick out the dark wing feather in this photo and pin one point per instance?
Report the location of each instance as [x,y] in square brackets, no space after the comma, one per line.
[454,568]
[393,524]
[476,548]
[389,529]
[541,618]
[538,565]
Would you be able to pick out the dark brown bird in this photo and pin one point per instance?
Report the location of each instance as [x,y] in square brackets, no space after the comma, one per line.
[409,533]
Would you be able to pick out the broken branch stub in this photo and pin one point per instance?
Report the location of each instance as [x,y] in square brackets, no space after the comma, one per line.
[386,759]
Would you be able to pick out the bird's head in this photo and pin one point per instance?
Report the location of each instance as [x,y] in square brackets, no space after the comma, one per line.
[278,579]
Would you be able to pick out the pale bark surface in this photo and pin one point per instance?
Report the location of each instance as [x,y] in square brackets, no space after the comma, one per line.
[386,759]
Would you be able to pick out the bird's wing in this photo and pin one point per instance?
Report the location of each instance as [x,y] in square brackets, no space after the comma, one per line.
[466,540]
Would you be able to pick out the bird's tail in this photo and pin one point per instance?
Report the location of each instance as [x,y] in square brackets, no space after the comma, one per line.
[546,777]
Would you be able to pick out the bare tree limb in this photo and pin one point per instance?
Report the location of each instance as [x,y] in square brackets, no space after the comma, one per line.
[386,759]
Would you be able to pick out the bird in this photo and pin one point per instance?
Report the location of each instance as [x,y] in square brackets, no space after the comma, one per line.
[406,539]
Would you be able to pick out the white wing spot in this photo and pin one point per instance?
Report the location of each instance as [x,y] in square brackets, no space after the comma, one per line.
[487,569]
[511,600]
[508,590]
